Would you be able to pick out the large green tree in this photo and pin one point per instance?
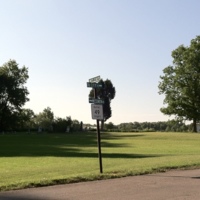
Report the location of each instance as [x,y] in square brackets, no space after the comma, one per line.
[181,83]
[107,93]
[13,93]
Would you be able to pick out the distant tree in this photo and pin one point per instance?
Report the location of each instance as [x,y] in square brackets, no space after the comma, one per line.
[62,124]
[13,93]
[170,125]
[45,119]
[181,83]
[107,93]
[75,125]
[26,119]
[126,127]
[137,126]
[69,122]
[81,126]
[110,125]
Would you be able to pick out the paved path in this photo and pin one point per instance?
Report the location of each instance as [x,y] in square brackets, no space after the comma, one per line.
[172,185]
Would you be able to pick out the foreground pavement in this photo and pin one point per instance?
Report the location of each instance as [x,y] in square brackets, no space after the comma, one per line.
[172,185]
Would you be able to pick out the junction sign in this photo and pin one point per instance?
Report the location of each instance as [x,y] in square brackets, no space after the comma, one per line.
[97,111]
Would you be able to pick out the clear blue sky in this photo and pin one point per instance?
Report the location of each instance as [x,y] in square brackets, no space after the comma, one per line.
[66,42]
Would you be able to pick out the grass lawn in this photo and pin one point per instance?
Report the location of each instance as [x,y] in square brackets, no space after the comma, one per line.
[46,159]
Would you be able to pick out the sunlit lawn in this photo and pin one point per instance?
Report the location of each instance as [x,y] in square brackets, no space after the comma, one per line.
[45,159]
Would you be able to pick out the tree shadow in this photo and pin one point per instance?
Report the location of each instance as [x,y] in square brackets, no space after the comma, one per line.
[71,152]
[128,155]
[60,145]
[111,135]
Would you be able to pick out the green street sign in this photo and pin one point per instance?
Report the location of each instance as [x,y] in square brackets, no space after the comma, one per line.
[97,101]
[94,85]
[95,79]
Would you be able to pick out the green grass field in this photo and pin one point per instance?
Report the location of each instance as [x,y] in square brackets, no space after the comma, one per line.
[47,159]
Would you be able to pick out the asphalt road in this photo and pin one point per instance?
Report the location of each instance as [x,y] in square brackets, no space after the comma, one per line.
[172,185]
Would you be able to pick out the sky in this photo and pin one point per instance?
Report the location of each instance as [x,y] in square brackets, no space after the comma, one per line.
[64,43]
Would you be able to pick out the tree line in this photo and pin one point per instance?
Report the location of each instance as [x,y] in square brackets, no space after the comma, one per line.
[163,126]
[180,84]
[14,95]
[45,121]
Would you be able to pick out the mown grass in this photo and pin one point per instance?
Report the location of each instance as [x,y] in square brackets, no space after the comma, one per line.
[46,159]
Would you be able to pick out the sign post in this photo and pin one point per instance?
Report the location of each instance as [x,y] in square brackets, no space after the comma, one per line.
[99,137]
[97,112]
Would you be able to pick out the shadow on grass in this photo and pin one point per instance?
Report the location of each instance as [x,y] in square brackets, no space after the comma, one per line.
[124,135]
[70,152]
[60,145]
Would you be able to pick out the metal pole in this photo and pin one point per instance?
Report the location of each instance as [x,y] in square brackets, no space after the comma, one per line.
[99,147]
[98,139]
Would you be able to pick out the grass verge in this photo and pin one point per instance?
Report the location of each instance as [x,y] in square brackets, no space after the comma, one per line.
[48,159]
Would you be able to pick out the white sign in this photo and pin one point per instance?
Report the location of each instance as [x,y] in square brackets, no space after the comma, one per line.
[97,111]
[95,79]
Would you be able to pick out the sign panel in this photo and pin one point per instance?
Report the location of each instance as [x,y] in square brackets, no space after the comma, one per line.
[97,111]
[95,79]
[94,85]
[98,101]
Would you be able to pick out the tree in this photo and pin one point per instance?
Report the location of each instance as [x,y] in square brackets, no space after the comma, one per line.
[110,126]
[75,125]
[107,93]
[181,83]
[13,93]
[45,119]
[62,125]
[26,119]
